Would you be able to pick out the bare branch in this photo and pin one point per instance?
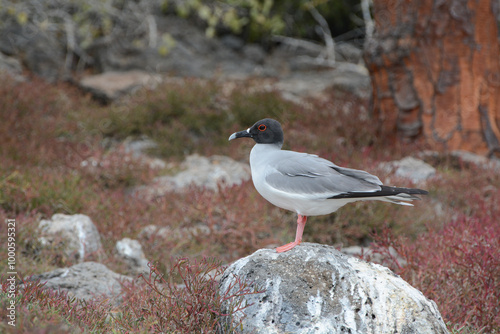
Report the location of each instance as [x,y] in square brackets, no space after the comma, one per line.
[365,8]
[296,43]
[152,31]
[327,34]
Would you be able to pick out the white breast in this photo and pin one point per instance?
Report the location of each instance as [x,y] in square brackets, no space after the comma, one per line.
[262,159]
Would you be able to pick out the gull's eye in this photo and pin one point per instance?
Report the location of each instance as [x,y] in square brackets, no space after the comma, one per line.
[262,127]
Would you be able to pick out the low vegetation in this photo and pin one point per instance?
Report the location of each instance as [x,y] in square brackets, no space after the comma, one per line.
[193,307]
[59,155]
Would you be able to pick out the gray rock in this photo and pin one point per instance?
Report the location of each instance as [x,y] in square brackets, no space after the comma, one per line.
[173,46]
[292,49]
[131,252]
[12,66]
[40,51]
[199,171]
[460,159]
[255,53]
[131,150]
[352,78]
[316,289]
[111,85]
[138,148]
[191,53]
[151,231]
[348,52]
[85,280]
[77,232]
[53,43]
[345,77]
[181,233]
[469,158]
[410,168]
[305,84]
[233,42]
[476,159]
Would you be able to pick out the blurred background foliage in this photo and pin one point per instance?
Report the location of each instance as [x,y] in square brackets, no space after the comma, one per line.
[87,23]
[257,20]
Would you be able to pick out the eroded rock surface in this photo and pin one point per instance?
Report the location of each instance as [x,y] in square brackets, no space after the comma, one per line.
[316,289]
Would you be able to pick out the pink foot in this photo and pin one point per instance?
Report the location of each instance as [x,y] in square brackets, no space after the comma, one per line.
[301,223]
[287,247]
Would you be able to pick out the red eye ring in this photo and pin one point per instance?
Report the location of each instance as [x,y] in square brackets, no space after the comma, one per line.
[262,127]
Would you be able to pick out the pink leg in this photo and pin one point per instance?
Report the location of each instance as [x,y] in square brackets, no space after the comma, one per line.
[301,223]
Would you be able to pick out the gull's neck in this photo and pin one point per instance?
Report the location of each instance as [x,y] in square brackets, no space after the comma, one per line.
[262,152]
[267,147]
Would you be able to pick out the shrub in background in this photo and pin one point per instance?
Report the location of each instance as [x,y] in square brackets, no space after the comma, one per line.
[194,306]
[458,267]
[184,300]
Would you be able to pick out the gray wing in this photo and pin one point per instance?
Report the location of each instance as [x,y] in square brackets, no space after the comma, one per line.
[311,176]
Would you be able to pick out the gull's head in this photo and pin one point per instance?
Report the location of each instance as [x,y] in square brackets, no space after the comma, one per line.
[265,131]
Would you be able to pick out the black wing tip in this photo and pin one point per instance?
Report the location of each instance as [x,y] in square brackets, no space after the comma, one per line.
[401,190]
[384,191]
[411,191]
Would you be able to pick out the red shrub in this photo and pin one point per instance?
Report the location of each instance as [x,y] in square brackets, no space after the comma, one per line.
[457,267]
[41,310]
[194,306]
[184,300]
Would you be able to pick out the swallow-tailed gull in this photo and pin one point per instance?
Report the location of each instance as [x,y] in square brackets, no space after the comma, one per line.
[307,184]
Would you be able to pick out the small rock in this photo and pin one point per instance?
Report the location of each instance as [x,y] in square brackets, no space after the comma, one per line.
[109,86]
[410,168]
[11,66]
[348,52]
[459,159]
[233,42]
[77,232]
[255,53]
[177,233]
[208,172]
[203,172]
[138,148]
[345,76]
[39,50]
[131,251]
[352,78]
[305,84]
[85,280]
[316,289]
[477,160]
[152,230]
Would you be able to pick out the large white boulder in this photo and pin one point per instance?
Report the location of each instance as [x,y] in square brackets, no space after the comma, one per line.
[316,289]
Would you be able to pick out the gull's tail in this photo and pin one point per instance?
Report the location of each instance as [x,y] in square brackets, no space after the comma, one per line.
[395,195]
